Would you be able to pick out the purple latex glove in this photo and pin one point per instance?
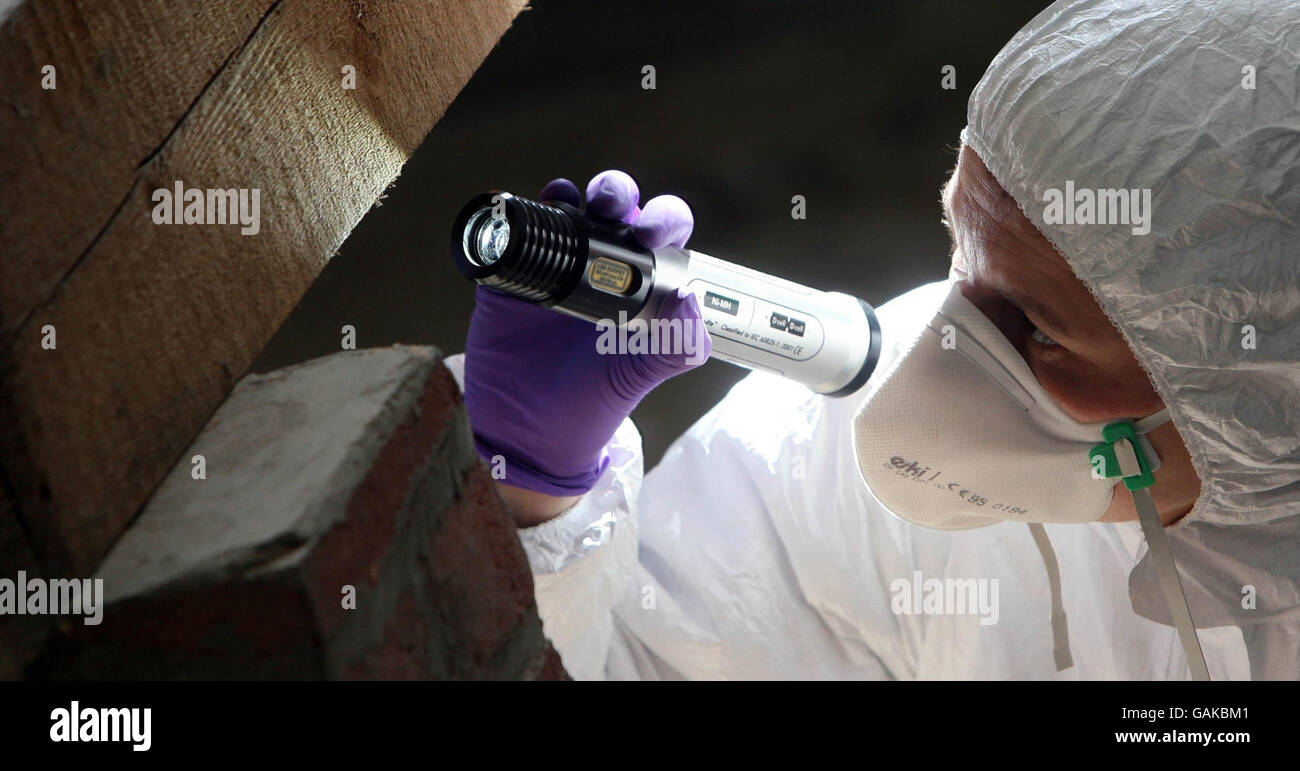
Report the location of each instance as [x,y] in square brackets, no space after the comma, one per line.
[537,390]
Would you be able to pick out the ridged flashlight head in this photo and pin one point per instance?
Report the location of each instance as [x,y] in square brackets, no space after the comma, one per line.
[534,251]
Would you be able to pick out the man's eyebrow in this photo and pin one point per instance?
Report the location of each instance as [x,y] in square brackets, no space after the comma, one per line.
[1032,306]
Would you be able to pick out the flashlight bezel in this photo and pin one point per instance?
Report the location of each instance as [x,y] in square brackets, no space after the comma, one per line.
[461,244]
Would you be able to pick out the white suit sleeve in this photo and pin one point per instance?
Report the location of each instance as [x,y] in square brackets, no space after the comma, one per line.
[687,578]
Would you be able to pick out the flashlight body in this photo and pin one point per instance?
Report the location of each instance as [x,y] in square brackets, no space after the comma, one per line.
[828,341]
[596,270]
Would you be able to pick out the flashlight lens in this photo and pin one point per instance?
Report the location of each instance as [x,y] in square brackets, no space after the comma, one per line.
[489,235]
[494,239]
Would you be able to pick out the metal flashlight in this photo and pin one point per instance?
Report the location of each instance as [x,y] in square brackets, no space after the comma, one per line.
[554,255]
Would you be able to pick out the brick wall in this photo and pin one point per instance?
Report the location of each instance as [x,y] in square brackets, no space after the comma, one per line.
[354,470]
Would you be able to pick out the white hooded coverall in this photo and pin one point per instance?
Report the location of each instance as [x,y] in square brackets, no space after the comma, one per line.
[755,550]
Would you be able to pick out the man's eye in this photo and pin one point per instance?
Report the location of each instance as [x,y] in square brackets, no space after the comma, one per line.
[1040,337]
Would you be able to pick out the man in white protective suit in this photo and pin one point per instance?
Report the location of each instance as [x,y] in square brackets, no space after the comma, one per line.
[1107,383]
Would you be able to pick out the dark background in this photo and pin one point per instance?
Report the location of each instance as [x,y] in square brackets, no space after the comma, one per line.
[755,102]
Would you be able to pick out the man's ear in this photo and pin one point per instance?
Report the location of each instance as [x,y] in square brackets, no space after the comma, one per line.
[957,268]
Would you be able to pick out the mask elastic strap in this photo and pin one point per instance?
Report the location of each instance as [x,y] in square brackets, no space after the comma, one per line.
[1060,627]
[1170,585]
[1152,421]
[1126,453]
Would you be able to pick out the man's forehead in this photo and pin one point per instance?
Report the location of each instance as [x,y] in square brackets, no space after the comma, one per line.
[1016,260]
[979,181]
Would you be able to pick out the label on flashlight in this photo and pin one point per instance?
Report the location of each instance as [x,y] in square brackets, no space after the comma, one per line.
[610,275]
[719,303]
[757,323]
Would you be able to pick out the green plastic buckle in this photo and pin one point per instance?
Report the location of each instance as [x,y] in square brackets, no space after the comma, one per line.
[1103,456]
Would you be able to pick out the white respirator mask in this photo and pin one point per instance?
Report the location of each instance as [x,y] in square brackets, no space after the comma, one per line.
[959,434]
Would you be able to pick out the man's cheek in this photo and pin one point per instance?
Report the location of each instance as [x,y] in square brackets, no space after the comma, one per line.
[1092,393]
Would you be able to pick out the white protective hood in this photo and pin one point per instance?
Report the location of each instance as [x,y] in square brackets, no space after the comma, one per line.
[1111,94]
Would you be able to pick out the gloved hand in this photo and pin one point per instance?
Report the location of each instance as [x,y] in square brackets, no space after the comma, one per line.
[537,391]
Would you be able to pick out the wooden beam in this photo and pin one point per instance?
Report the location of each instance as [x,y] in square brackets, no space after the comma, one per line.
[154,323]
